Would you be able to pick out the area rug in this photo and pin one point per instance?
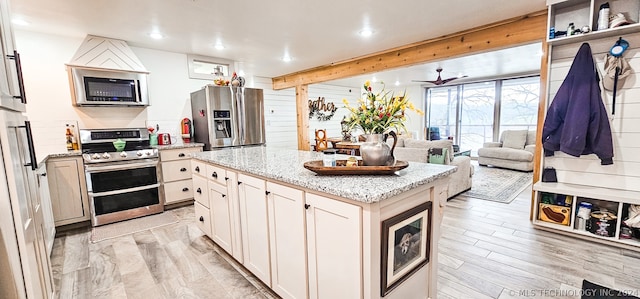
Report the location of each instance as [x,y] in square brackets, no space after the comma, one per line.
[498,184]
[114,230]
[591,290]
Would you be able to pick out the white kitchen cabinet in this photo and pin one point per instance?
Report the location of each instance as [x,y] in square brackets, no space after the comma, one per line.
[68,190]
[287,241]
[11,84]
[203,218]
[255,226]
[175,165]
[220,207]
[200,190]
[220,197]
[334,248]
[49,227]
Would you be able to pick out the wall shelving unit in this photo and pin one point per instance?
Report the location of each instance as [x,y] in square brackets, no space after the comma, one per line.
[613,187]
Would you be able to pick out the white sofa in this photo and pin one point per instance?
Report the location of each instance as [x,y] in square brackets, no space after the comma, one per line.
[514,151]
[418,151]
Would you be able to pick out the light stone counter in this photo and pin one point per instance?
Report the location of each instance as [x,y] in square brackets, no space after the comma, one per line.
[178,146]
[287,166]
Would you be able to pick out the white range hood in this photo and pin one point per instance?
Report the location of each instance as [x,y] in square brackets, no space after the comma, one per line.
[105,72]
[106,53]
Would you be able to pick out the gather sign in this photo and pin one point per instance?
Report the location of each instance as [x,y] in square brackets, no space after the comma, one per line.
[321,110]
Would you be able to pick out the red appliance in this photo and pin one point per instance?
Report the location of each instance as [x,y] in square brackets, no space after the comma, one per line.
[164,139]
[187,130]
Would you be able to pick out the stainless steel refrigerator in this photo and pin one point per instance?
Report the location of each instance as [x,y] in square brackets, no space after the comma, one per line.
[228,116]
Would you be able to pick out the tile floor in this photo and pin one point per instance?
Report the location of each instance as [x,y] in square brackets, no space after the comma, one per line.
[487,250]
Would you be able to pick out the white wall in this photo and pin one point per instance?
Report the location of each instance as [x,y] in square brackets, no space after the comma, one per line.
[624,174]
[50,107]
[49,98]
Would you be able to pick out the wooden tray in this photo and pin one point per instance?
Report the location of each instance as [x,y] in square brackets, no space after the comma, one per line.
[341,169]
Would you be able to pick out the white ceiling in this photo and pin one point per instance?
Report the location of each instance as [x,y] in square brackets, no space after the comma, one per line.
[314,33]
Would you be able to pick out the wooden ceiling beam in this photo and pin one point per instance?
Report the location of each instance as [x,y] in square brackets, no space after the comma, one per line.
[508,33]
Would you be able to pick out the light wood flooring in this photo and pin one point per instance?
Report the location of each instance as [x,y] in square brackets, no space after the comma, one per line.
[487,250]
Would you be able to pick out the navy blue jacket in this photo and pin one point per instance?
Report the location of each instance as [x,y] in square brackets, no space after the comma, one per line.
[577,121]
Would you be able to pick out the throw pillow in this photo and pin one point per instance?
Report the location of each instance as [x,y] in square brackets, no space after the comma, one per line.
[437,155]
[514,138]
[427,144]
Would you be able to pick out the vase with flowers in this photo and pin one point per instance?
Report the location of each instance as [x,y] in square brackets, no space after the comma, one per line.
[378,115]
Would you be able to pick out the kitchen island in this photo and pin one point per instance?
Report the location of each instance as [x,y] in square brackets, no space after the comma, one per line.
[311,236]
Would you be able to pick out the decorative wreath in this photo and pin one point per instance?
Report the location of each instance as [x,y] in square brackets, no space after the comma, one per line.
[321,116]
[318,109]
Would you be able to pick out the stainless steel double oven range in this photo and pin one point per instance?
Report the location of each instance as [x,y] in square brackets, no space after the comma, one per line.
[121,185]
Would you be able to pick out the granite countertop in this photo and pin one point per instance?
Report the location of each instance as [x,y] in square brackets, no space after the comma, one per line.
[75,153]
[287,166]
[179,145]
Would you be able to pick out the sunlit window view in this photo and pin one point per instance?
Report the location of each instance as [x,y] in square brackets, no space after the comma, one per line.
[472,114]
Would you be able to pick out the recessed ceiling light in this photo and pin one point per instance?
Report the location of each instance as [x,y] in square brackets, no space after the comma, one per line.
[365,32]
[397,82]
[156,35]
[374,80]
[219,47]
[20,22]
[286,58]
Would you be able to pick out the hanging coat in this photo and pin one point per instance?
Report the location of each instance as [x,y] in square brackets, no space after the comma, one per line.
[577,121]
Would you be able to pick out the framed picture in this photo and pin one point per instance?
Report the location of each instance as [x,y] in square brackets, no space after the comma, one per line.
[405,245]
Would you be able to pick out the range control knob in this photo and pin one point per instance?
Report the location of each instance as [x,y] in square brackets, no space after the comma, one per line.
[106,156]
[123,154]
[139,153]
[95,156]
[148,153]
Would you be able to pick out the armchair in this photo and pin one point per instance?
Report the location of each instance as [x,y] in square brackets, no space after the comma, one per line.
[514,151]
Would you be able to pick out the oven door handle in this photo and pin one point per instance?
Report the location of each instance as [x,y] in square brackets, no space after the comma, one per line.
[120,191]
[124,166]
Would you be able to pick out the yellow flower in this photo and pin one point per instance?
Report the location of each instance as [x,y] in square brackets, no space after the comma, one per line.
[379,112]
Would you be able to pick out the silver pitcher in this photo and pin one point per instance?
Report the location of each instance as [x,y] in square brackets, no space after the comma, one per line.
[376,152]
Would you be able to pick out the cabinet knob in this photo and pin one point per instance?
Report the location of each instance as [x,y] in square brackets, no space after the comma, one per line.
[43,174]
[306,206]
[199,190]
[183,169]
[197,169]
[214,174]
[226,179]
[201,219]
[185,189]
[181,155]
[223,195]
[239,183]
[267,193]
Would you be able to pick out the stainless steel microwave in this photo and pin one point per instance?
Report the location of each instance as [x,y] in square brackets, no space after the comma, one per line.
[95,87]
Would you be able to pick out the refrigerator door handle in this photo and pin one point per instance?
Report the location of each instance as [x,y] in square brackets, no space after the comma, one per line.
[235,104]
[240,106]
[243,121]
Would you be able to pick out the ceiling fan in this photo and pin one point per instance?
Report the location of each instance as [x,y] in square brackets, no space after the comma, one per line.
[439,81]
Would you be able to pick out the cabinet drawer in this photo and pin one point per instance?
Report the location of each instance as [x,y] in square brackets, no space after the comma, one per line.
[203,220]
[176,170]
[199,168]
[178,191]
[216,174]
[200,191]
[178,154]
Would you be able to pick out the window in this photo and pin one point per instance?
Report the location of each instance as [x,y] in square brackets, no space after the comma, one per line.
[519,104]
[472,114]
[209,68]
